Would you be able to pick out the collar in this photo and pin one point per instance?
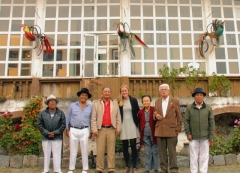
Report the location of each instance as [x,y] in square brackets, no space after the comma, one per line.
[203,105]
[167,99]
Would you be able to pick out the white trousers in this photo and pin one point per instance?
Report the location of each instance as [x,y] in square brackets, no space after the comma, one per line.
[54,147]
[199,151]
[78,136]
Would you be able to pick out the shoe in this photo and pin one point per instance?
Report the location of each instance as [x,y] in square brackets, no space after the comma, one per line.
[147,171]
[127,170]
[156,171]
[97,171]
[70,172]
[111,172]
[84,171]
[134,170]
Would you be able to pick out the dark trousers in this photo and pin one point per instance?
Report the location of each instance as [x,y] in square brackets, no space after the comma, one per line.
[167,144]
[126,153]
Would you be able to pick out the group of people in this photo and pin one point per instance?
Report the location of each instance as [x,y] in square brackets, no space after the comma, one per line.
[157,127]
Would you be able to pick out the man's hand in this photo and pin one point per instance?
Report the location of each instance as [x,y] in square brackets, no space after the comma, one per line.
[67,133]
[189,137]
[117,133]
[90,135]
[50,135]
[176,132]
[95,133]
[159,117]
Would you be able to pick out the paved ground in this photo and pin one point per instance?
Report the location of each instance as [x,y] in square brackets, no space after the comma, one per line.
[212,169]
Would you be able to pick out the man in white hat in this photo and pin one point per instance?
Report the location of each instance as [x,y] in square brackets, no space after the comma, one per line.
[77,128]
[52,123]
[199,127]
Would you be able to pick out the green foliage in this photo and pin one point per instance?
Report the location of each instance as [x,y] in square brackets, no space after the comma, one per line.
[140,94]
[118,145]
[2,98]
[23,139]
[193,77]
[170,77]
[236,136]
[220,146]
[219,85]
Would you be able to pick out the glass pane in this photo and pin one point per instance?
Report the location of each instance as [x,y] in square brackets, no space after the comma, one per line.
[89,54]
[160,11]
[62,25]
[197,25]
[160,65]
[161,53]
[29,11]
[62,39]
[61,70]
[64,1]
[26,42]
[18,1]
[63,11]
[88,25]
[101,11]
[101,1]
[233,68]
[147,11]
[51,2]
[186,39]
[76,1]
[2,69]
[148,24]
[174,65]
[216,12]
[62,55]
[48,57]
[174,53]
[173,39]
[185,25]
[113,68]
[49,25]
[102,40]
[3,54]
[135,10]
[148,38]
[173,25]
[102,57]
[160,1]
[30,1]
[114,54]
[27,55]
[76,11]
[88,70]
[47,70]
[12,69]
[172,1]
[227,11]
[89,11]
[239,38]
[3,39]
[89,1]
[147,1]
[17,11]
[160,24]
[25,70]
[102,68]
[236,2]
[161,39]
[13,55]
[231,40]
[74,69]
[16,25]
[113,40]
[226,2]
[137,53]
[197,11]
[149,53]
[15,40]
[215,2]
[51,39]
[112,26]
[229,25]
[238,25]
[172,11]
[135,24]
[114,10]
[184,1]
[221,67]
[184,11]
[136,68]
[102,25]
[232,53]
[5,11]
[75,54]
[149,68]
[89,41]
[187,53]
[50,12]
[75,25]
[220,53]
[75,39]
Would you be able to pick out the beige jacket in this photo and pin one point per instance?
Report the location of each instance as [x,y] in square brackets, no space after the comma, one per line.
[97,115]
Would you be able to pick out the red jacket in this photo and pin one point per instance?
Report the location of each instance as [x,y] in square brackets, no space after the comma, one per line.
[142,122]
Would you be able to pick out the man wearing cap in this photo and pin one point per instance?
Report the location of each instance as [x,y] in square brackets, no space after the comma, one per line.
[51,123]
[106,125]
[199,127]
[78,128]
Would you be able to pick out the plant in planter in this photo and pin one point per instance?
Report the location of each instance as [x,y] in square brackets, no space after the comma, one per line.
[170,77]
[2,98]
[219,85]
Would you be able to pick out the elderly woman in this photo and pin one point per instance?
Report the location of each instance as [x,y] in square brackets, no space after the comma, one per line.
[51,123]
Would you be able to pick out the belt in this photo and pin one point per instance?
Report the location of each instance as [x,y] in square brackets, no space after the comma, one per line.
[106,126]
[76,127]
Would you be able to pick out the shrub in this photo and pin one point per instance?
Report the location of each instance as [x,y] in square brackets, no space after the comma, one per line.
[236,136]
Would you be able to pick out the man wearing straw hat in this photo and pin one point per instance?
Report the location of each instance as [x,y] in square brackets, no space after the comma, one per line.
[51,123]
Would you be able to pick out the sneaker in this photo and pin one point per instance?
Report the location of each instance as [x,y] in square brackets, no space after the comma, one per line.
[84,171]
[70,172]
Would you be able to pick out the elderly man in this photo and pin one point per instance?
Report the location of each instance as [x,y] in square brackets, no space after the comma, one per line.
[199,127]
[106,125]
[51,123]
[77,128]
[168,125]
